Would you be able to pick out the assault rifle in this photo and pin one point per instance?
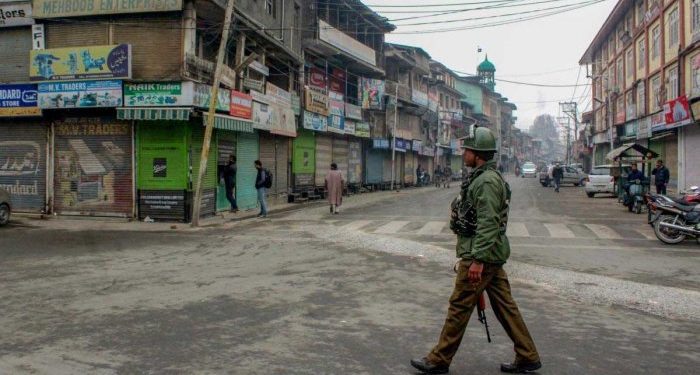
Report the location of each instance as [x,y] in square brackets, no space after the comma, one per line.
[481,313]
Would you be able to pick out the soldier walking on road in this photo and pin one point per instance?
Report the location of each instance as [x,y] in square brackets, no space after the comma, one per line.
[557,175]
[479,218]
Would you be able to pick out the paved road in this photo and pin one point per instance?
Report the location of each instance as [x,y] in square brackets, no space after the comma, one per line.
[310,293]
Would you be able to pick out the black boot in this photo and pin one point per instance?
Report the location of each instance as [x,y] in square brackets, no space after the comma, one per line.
[427,367]
[520,367]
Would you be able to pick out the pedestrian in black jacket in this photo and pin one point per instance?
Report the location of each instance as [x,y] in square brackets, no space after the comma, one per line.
[557,175]
[661,177]
[229,176]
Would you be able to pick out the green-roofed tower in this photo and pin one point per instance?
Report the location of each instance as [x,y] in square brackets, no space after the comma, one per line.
[487,73]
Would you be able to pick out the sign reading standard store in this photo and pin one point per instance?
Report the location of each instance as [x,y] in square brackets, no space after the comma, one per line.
[73,8]
[19,100]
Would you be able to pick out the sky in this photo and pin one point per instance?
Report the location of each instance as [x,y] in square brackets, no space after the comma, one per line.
[542,51]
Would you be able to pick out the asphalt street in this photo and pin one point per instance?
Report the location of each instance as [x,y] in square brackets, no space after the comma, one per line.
[357,293]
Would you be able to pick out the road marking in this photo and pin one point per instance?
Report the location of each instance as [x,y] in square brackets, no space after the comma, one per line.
[517,230]
[559,231]
[603,232]
[391,227]
[432,227]
[357,224]
[647,235]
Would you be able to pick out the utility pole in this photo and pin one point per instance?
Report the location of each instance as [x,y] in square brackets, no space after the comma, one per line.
[562,121]
[571,109]
[393,135]
[212,110]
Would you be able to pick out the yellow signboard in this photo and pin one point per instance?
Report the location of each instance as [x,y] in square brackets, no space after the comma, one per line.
[20,111]
[65,8]
[79,63]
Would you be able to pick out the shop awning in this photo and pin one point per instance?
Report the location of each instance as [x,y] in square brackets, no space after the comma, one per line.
[231,123]
[631,151]
[154,114]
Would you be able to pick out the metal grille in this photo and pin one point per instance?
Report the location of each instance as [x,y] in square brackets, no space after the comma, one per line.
[23,165]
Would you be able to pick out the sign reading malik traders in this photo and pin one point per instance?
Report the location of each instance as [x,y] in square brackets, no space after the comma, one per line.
[19,100]
[73,8]
[75,63]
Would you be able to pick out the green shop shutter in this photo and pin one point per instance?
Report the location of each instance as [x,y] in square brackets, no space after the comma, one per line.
[23,164]
[208,206]
[304,158]
[375,161]
[247,149]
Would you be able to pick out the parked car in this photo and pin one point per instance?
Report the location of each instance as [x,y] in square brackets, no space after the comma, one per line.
[529,170]
[5,207]
[602,179]
[571,176]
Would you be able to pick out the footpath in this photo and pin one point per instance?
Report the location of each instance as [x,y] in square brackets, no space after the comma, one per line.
[93,223]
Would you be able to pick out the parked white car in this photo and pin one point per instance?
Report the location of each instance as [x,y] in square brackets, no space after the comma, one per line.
[601,180]
[529,170]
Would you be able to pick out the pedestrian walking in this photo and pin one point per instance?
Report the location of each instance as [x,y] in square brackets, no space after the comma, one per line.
[661,177]
[263,181]
[438,176]
[479,218]
[334,186]
[557,175]
[447,178]
[418,175]
[229,177]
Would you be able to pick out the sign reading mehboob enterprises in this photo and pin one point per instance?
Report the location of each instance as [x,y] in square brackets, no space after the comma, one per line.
[75,8]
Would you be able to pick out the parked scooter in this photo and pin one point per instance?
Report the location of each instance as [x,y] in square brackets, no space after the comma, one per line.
[674,220]
[633,196]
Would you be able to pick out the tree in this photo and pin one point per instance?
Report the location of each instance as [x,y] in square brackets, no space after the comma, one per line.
[544,127]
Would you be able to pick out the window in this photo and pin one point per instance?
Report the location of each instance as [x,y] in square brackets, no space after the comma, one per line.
[630,64]
[640,12]
[655,91]
[655,39]
[641,47]
[641,99]
[271,7]
[695,17]
[695,76]
[673,28]
[620,74]
[672,81]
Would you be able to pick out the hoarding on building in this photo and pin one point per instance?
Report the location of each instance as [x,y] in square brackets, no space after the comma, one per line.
[644,128]
[336,106]
[372,91]
[316,101]
[63,8]
[279,95]
[417,145]
[345,43]
[82,94]
[317,78]
[16,14]
[19,100]
[353,111]
[75,63]
[155,94]
[336,124]
[314,121]
[241,105]
[677,110]
[380,143]
[350,127]
[201,96]
[362,130]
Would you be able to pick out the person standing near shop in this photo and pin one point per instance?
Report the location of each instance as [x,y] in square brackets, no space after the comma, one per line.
[557,175]
[479,219]
[262,182]
[334,187]
[230,182]
[661,177]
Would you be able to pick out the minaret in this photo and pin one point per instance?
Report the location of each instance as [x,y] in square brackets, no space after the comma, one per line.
[487,73]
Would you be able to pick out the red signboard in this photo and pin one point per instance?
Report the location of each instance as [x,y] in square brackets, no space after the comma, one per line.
[241,105]
[317,78]
[677,110]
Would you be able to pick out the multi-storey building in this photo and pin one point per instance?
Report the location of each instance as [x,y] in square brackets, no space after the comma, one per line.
[645,64]
[451,122]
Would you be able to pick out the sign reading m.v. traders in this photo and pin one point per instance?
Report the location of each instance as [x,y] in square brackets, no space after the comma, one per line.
[74,8]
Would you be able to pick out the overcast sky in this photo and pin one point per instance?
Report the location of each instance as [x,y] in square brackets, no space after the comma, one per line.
[545,50]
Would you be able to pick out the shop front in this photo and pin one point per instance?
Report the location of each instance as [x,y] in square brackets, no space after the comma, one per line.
[378,165]
[304,159]
[23,148]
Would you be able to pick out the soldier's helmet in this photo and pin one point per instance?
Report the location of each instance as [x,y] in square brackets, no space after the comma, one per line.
[479,139]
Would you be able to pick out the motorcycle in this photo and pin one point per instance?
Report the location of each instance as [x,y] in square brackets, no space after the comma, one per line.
[674,221]
[689,197]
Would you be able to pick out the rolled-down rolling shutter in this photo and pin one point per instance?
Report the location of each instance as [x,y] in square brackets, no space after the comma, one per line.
[354,162]
[375,166]
[281,182]
[16,42]
[324,155]
[340,155]
[247,149]
[23,164]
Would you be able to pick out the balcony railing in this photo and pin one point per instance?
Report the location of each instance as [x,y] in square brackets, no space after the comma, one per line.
[405,92]
[203,69]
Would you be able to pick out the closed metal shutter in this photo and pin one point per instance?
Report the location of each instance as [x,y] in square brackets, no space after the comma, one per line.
[208,206]
[78,34]
[409,168]
[267,156]
[354,162]
[387,165]
[281,182]
[400,167]
[226,146]
[340,155]
[23,147]
[164,38]
[671,161]
[691,137]
[247,149]
[15,65]
[93,167]
[324,155]
[375,166]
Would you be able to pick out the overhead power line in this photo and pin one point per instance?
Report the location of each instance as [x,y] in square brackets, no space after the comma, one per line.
[496,6]
[436,5]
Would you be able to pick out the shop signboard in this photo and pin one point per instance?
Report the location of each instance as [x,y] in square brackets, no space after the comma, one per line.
[82,94]
[644,128]
[336,124]
[253,84]
[316,122]
[317,78]
[380,143]
[372,91]
[259,67]
[417,145]
[155,94]
[16,14]
[419,97]
[241,105]
[362,129]
[350,127]
[316,101]
[658,121]
[428,151]
[280,96]
[19,100]
[353,111]
[296,104]
[336,107]
[64,9]
[677,112]
[75,63]
[284,121]
[262,116]
[201,95]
